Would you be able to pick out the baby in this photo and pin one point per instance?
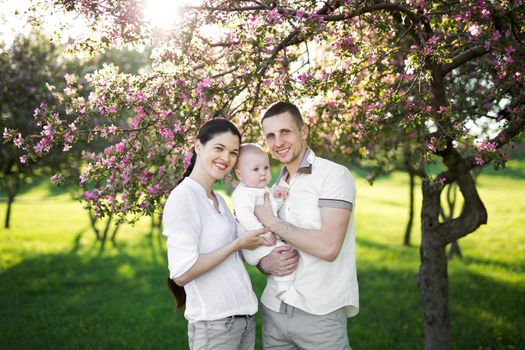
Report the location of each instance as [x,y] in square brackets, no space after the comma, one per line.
[253,171]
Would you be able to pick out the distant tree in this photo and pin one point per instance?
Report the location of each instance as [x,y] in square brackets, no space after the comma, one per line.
[27,68]
[32,72]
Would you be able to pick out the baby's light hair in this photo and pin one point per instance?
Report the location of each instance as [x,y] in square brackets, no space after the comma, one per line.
[249,148]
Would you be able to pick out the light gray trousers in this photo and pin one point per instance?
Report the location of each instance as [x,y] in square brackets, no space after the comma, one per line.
[293,329]
[230,333]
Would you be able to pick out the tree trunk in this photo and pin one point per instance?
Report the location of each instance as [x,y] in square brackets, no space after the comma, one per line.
[10,200]
[106,229]
[12,184]
[454,250]
[408,229]
[451,201]
[433,277]
[433,282]
[114,235]
[93,222]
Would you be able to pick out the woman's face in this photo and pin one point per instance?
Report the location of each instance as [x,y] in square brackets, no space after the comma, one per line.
[218,156]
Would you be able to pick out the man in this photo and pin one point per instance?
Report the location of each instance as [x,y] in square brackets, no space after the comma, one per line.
[317,219]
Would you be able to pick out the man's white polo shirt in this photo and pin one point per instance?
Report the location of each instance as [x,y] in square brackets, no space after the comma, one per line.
[320,287]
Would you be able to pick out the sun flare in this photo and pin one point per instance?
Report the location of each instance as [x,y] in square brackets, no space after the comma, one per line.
[166,13]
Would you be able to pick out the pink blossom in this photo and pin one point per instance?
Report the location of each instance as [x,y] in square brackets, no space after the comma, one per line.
[18,140]
[112,129]
[433,40]
[274,16]
[178,128]
[55,179]
[487,146]
[186,161]
[474,29]
[479,160]
[508,59]
[303,77]
[331,104]
[120,147]
[204,83]
[442,180]
[23,159]
[91,196]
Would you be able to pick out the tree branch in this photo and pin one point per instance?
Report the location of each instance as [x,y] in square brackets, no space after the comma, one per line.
[373,8]
[462,58]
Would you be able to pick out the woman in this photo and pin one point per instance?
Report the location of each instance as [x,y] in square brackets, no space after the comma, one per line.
[203,248]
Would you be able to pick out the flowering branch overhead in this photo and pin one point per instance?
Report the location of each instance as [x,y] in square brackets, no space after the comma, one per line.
[380,76]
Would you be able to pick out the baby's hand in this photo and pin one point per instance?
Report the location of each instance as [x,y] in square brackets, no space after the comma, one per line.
[280,192]
[269,237]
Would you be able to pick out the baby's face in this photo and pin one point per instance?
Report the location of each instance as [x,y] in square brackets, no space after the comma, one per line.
[253,170]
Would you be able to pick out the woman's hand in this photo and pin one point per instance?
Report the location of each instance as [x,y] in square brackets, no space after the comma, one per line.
[253,239]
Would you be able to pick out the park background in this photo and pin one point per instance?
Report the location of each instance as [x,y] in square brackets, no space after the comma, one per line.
[60,286]
[59,289]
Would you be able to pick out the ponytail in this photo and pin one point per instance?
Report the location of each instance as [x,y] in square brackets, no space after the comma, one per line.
[178,292]
[190,167]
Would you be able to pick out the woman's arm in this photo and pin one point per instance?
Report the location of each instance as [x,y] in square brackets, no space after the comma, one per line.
[206,262]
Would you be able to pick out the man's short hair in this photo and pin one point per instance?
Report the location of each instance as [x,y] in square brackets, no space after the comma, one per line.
[283,107]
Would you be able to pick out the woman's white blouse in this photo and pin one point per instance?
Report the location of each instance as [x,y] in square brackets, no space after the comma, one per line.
[193,226]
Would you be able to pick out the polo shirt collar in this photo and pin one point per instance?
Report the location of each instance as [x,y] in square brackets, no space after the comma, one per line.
[305,167]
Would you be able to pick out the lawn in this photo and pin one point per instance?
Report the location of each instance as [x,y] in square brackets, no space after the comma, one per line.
[58,289]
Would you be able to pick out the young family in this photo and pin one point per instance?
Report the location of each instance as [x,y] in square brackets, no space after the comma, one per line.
[300,234]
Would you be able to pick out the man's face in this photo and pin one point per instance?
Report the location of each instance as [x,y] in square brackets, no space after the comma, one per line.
[285,139]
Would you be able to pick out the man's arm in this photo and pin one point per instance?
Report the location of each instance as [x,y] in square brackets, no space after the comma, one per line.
[324,244]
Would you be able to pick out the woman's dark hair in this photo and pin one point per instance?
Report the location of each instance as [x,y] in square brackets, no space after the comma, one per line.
[206,133]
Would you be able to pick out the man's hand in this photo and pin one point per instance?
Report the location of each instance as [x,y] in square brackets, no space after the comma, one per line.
[281,261]
[264,212]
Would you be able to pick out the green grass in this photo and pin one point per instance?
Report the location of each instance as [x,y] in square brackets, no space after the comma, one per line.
[58,289]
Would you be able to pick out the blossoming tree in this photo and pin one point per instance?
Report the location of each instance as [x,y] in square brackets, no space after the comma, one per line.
[443,79]
[27,68]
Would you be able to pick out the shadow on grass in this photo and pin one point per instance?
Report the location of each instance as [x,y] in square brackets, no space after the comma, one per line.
[486,313]
[90,302]
[120,300]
